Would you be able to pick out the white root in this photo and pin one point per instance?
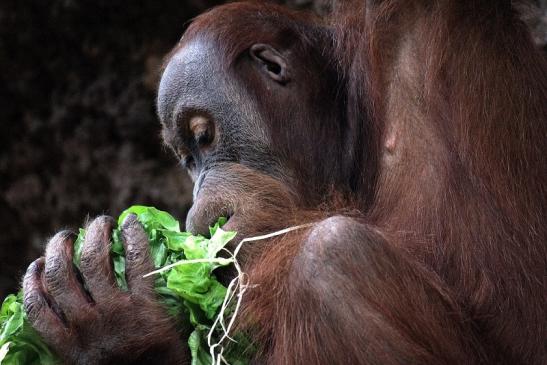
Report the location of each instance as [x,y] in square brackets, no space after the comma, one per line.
[237,287]
[240,285]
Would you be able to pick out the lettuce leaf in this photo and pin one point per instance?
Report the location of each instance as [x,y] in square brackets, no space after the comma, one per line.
[19,343]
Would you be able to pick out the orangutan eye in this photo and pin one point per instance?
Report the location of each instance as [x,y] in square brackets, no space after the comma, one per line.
[202,130]
[203,139]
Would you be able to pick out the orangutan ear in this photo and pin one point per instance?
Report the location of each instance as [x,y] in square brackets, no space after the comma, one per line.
[271,62]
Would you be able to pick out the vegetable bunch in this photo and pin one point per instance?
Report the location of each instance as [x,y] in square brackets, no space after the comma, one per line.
[189,290]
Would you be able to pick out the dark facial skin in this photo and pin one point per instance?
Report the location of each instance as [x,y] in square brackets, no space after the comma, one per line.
[206,116]
[237,130]
[209,102]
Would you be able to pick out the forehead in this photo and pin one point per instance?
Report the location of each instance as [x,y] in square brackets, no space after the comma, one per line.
[192,78]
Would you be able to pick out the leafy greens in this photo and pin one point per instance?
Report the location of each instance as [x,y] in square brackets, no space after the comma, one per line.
[189,290]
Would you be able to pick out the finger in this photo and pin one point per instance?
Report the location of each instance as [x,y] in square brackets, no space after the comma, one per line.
[40,314]
[60,278]
[95,262]
[137,257]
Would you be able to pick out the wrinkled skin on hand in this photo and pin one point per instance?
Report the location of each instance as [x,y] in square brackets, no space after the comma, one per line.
[85,317]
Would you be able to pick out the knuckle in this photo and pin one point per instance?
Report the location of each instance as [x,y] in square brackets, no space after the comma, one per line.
[93,249]
[55,269]
[32,278]
[325,242]
[89,255]
[96,264]
[334,225]
[54,265]
[34,269]
[135,255]
[327,234]
[338,240]
[33,303]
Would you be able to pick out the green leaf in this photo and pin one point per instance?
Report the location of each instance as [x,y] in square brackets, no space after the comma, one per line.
[159,252]
[117,244]
[200,355]
[4,351]
[12,325]
[5,309]
[78,245]
[152,217]
[175,240]
[20,344]
[220,222]
[217,242]
[194,247]
[11,318]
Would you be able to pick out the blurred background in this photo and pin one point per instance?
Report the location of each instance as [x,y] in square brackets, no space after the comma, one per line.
[79,135]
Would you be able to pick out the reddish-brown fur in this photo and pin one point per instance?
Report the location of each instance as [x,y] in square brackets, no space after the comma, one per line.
[453,184]
[429,242]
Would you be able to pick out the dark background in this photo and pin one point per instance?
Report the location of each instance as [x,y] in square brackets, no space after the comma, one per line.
[79,135]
